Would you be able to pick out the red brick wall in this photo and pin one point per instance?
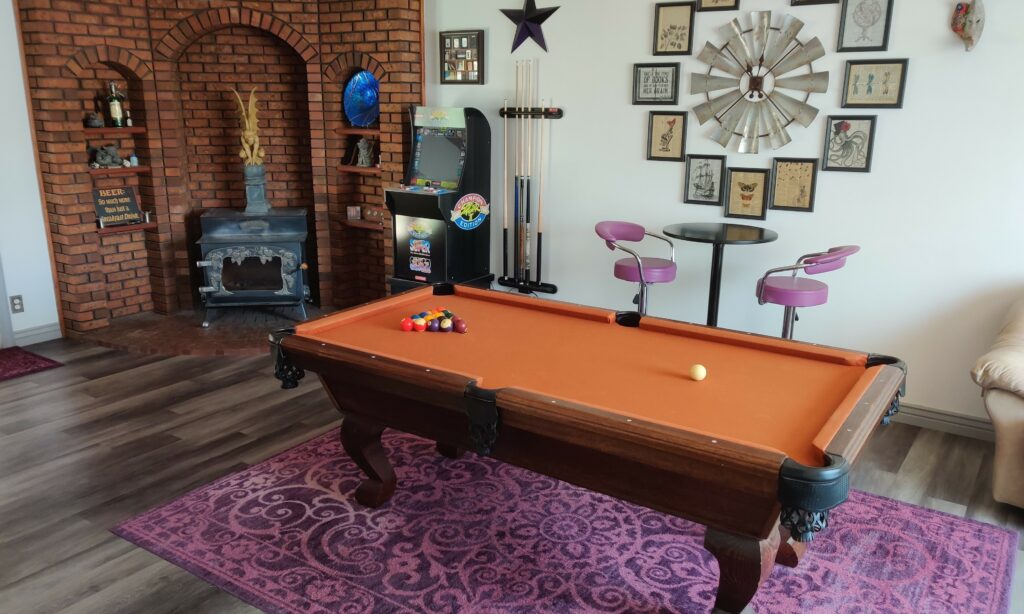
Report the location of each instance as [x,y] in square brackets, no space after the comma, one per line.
[177,58]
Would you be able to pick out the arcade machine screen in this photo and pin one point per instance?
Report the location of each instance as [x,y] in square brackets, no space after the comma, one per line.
[439,158]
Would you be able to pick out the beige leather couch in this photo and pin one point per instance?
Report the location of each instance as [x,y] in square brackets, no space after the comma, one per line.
[1000,373]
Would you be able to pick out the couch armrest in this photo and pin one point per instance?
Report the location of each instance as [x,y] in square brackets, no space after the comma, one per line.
[1003,365]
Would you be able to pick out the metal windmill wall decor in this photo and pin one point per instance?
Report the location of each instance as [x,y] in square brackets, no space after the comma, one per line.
[756,60]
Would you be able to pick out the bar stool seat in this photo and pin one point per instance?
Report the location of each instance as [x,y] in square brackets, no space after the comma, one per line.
[656,270]
[793,291]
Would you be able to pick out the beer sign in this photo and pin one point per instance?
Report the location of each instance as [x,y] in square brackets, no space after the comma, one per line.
[117,206]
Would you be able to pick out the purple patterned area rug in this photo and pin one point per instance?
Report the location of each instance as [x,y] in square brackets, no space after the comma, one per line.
[16,362]
[478,535]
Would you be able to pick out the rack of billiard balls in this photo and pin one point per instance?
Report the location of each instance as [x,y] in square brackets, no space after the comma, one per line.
[438,320]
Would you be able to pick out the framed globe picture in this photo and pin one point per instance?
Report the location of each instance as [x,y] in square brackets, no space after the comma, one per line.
[864,25]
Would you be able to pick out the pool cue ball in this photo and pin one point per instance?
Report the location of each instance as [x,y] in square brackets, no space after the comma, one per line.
[406,324]
[460,327]
[698,372]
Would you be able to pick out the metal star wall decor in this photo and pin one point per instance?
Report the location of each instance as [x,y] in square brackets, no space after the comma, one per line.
[528,23]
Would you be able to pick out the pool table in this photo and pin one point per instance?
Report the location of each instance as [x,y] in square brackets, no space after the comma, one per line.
[759,451]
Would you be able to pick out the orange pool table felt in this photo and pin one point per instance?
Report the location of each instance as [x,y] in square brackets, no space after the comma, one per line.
[773,394]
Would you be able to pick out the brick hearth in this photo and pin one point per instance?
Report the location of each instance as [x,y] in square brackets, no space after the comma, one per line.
[177,60]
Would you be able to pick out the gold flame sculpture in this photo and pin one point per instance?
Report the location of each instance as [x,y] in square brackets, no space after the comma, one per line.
[251,153]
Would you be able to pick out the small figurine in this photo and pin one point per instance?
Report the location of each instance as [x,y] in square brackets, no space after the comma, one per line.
[365,147]
[94,120]
[106,157]
[126,163]
[969,22]
[252,152]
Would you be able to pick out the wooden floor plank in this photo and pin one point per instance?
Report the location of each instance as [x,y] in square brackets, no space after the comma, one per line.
[110,435]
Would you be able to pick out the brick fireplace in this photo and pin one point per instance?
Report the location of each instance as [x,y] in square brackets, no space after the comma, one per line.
[176,61]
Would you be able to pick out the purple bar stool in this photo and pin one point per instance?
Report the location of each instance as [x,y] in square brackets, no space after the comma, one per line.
[637,269]
[792,291]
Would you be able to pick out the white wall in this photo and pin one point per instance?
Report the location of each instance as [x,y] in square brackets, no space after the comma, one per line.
[24,252]
[940,217]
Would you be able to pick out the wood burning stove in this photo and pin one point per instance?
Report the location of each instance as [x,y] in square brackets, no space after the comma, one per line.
[253,258]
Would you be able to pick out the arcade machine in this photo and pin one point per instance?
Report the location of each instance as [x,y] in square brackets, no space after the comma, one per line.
[442,225]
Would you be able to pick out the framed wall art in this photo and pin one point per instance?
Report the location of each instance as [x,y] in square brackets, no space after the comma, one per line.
[864,25]
[718,5]
[673,28]
[875,84]
[656,84]
[793,183]
[811,2]
[849,142]
[704,180]
[462,57]
[746,195]
[666,136]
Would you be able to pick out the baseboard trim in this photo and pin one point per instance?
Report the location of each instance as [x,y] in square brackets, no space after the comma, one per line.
[946,422]
[37,334]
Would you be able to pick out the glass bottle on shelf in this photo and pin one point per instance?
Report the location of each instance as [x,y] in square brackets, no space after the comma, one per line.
[114,106]
[128,118]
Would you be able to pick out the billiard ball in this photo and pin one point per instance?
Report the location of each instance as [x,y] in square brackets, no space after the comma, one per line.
[698,372]
[446,325]
[406,324]
[432,326]
[419,325]
[461,327]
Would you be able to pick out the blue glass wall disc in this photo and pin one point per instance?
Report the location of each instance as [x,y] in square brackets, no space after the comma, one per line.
[362,99]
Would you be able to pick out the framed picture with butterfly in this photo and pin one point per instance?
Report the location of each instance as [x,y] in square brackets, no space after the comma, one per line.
[747,193]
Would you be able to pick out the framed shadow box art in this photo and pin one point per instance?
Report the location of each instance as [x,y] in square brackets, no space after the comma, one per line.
[793,183]
[673,28]
[875,84]
[666,136]
[747,193]
[864,25]
[462,57]
[849,142]
[704,180]
[656,84]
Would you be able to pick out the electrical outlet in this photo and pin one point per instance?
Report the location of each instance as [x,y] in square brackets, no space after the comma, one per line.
[17,304]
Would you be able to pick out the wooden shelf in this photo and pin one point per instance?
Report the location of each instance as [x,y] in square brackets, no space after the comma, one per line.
[108,132]
[359,170]
[116,230]
[119,172]
[364,224]
[347,130]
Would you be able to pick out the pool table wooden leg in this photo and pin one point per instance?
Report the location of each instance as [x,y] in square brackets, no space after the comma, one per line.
[361,440]
[449,451]
[744,564]
[790,550]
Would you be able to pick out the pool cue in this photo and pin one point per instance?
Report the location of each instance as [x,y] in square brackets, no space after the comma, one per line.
[516,184]
[504,195]
[540,195]
[527,239]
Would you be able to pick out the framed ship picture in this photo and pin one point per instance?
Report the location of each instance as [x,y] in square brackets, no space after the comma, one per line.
[704,175]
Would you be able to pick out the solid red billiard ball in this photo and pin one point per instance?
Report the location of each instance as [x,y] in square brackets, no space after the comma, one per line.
[406,324]
[461,327]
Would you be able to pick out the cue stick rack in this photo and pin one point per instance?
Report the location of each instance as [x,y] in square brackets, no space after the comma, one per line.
[525,129]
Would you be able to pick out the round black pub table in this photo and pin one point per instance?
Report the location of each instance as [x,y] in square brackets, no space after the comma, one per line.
[719,235]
